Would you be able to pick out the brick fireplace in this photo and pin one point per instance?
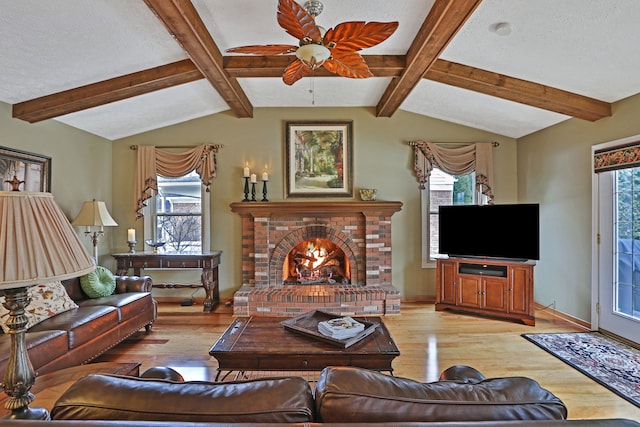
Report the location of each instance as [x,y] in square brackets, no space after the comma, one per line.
[351,241]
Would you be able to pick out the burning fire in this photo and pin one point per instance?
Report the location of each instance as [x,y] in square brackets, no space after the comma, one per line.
[315,261]
[316,256]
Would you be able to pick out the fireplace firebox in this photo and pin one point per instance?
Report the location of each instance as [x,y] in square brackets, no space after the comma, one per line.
[316,261]
[330,256]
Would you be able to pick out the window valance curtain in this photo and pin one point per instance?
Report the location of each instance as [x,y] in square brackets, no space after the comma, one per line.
[463,160]
[619,157]
[153,161]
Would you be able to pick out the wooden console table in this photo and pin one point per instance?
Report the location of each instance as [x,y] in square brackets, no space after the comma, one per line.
[207,261]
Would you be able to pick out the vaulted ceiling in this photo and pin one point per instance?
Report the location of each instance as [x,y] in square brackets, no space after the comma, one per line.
[116,68]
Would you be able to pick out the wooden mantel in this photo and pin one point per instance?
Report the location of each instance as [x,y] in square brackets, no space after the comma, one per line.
[266,209]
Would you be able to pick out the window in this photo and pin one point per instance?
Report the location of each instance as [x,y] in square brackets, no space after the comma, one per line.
[179,215]
[441,189]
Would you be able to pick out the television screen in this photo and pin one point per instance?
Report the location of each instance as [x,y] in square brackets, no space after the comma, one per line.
[509,231]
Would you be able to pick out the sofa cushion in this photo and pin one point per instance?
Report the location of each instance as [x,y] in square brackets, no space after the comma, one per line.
[113,397]
[42,347]
[99,283]
[82,324]
[348,394]
[47,300]
[129,305]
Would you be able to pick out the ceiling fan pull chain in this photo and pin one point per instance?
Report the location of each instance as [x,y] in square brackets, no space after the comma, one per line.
[312,89]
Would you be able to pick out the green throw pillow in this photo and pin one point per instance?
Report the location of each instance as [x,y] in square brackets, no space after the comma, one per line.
[99,283]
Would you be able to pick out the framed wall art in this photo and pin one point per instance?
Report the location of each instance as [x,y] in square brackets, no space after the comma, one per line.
[319,159]
[33,169]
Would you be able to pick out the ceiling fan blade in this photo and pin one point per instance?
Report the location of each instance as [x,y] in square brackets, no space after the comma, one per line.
[294,72]
[358,35]
[269,49]
[296,21]
[348,64]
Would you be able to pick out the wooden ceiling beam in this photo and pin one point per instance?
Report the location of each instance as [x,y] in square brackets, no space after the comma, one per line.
[183,22]
[274,65]
[444,20]
[101,93]
[459,75]
[522,91]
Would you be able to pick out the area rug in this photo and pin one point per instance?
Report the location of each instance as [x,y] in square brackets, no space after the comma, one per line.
[609,362]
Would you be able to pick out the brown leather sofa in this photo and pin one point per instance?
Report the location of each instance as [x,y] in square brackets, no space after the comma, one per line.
[342,396]
[80,335]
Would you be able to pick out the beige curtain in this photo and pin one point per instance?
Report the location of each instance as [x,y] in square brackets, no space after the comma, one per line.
[463,160]
[153,161]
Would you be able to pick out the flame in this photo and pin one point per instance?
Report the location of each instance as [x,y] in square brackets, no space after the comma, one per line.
[318,253]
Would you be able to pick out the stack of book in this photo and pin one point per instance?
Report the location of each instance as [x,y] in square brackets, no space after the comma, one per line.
[340,328]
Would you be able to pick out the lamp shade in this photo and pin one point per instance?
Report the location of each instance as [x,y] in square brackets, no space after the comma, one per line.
[37,243]
[94,214]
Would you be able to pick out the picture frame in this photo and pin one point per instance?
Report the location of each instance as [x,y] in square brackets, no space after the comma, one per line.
[319,159]
[33,169]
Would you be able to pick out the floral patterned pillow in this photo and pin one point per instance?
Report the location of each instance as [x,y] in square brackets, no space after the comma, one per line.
[47,300]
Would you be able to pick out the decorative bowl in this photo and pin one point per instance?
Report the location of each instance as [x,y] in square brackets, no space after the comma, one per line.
[368,194]
[155,245]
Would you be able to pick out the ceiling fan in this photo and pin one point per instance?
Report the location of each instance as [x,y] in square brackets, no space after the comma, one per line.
[334,49]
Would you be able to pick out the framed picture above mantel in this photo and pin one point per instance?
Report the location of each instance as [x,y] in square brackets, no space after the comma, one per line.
[32,171]
[319,159]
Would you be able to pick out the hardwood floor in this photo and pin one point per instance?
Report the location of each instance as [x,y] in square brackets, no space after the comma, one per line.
[429,342]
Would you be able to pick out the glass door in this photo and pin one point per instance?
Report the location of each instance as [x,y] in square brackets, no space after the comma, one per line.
[618,255]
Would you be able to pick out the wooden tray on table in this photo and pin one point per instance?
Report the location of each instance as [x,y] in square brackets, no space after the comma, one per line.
[307,324]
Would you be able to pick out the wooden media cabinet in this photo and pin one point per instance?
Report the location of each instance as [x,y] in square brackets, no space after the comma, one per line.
[497,288]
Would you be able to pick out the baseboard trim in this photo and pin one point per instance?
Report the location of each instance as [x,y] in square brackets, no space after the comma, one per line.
[564,316]
[425,299]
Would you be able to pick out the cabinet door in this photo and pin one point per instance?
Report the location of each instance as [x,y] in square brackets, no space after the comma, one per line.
[520,298]
[470,290]
[494,294]
[447,287]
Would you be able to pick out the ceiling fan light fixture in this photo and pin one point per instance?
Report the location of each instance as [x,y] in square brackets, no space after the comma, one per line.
[313,55]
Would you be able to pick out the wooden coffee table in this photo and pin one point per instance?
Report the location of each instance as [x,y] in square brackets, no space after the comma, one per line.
[49,387]
[262,344]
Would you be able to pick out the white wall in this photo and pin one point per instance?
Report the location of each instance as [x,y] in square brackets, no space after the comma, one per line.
[554,169]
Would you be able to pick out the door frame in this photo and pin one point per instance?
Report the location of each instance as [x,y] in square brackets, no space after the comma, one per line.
[595,226]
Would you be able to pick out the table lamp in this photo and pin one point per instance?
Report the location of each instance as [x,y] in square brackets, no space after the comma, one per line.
[94,214]
[37,245]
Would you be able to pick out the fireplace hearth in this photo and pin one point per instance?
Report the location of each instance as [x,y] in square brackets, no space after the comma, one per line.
[329,256]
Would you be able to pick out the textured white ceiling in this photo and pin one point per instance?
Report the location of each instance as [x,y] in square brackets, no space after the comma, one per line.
[589,47]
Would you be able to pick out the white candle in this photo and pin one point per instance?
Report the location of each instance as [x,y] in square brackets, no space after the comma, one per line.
[254,178]
[265,176]
[247,172]
[131,235]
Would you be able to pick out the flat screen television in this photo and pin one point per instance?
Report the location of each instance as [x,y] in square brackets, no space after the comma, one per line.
[509,231]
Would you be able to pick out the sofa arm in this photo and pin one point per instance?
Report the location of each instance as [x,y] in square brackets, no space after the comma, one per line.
[462,373]
[126,284]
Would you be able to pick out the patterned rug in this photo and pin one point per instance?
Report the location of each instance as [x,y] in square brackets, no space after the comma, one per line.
[611,363]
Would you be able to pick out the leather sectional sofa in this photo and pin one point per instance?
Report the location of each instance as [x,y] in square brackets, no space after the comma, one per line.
[81,334]
[341,396]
